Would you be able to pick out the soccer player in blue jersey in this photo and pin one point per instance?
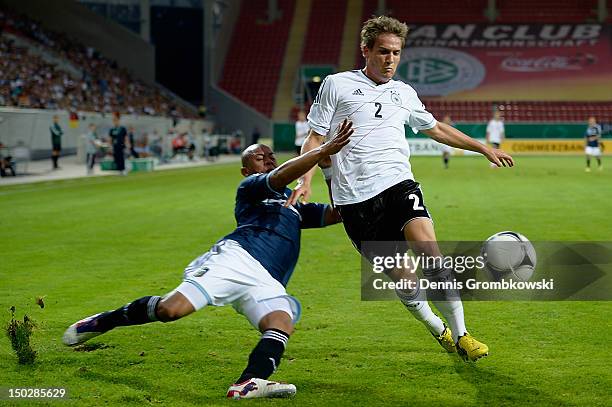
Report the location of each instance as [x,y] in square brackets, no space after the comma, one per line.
[248,268]
[592,140]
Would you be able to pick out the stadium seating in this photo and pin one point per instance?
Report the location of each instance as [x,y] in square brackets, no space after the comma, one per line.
[546,11]
[521,111]
[255,82]
[324,34]
[252,68]
[85,80]
[473,11]
[415,11]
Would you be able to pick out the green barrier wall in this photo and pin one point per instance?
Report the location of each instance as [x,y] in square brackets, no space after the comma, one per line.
[284,133]
[528,130]
[284,136]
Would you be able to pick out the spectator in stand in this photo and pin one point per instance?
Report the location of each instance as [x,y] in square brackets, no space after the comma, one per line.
[6,162]
[235,145]
[56,141]
[156,147]
[178,144]
[103,86]
[142,146]
[6,166]
[301,131]
[182,145]
[118,137]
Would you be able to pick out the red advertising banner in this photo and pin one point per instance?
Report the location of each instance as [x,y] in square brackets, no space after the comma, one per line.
[514,62]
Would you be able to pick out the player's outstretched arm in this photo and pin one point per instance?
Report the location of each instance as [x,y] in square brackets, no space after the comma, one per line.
[303,188]
[298,166]
[445,134]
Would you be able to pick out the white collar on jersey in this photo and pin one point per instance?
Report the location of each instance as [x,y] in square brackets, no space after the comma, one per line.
[361,71]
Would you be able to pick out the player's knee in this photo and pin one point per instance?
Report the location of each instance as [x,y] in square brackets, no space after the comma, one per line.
[166,312]
[277,320]
[170,311]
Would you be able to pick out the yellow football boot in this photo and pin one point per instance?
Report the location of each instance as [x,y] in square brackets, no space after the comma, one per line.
[445,339]
[470,349]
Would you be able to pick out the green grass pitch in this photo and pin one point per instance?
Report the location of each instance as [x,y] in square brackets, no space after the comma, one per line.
[94,244]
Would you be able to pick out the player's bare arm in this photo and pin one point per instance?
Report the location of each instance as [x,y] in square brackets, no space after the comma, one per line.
[303,188]
[313,140]
[298,166]
[445,134]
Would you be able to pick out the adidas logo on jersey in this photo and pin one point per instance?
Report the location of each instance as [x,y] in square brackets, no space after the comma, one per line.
[358,92]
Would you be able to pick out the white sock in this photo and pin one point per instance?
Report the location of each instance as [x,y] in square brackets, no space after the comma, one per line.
[423,313]
[452,308]
[453,312]
[421,310]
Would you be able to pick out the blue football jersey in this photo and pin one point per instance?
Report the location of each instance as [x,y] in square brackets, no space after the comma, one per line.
[269,231]
[593,131]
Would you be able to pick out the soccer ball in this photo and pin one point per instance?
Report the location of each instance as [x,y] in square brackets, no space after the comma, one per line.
[509,255]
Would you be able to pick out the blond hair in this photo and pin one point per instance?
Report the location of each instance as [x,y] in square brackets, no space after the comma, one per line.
[376,26]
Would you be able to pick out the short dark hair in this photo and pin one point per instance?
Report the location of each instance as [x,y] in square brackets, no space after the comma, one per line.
[248,153]
[376,26]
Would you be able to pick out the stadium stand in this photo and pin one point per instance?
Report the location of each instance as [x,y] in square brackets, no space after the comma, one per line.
[546,11]
[415,11]
[256,81]
[521,111]
[85,80]
[252,68]
[324,35]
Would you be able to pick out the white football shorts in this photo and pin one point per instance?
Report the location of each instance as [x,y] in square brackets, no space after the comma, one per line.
[228,274]
[595,151]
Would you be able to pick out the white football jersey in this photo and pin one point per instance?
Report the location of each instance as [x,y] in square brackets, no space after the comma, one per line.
[495,128]
[377,156]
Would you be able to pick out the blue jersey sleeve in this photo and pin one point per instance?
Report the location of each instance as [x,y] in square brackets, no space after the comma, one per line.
[313,215]
[257,187]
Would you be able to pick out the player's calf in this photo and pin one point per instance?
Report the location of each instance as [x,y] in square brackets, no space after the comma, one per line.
[138,312]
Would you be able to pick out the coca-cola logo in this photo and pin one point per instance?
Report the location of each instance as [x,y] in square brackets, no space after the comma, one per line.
[548,63]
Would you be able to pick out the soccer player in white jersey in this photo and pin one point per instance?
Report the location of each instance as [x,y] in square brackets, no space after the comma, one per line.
[301,131]
[371,179]
[495,130]
[248,268]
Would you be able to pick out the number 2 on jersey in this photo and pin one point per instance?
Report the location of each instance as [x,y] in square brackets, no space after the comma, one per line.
[417,202]
[379,106]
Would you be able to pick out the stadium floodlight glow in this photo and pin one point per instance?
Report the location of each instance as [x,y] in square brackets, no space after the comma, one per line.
[316,79]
